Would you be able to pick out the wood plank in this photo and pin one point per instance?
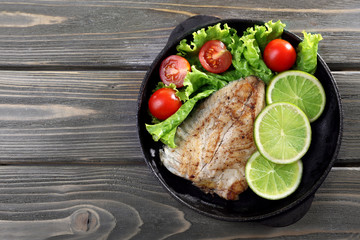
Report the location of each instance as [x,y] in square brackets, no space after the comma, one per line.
[105,202]
[129,34]
[69,117]
[90,117]
[349,88]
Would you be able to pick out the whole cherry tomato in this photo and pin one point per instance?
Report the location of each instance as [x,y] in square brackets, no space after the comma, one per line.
[279,55]
[163,103]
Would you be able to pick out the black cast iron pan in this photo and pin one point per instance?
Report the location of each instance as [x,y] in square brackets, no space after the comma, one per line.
[326,139]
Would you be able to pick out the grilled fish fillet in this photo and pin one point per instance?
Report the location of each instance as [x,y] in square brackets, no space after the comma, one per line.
[216,140]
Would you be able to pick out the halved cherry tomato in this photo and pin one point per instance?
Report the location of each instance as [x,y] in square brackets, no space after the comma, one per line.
[279,55]
[214,56]
[173,69]
[163,103]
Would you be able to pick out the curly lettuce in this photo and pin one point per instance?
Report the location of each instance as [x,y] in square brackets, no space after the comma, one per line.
[247,58]
[196,80]
[266,33]
[306,59]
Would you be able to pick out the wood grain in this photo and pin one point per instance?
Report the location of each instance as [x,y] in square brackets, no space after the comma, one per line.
[69,117]
[123,202]
[129,34]
[90,117]
[349,89]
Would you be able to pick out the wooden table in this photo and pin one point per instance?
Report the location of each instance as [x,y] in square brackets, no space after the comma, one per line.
[71,164]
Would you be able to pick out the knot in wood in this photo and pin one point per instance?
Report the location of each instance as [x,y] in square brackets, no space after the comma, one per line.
[84,221]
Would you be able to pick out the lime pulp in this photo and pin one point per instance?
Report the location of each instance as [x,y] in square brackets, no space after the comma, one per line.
[282,133]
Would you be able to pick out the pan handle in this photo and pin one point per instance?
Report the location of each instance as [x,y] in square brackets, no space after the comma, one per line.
[290,216]
[190,23]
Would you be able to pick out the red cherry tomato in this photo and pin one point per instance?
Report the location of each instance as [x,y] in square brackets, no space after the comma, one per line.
[173,69]
[163,103]
[279,55]
[214,56]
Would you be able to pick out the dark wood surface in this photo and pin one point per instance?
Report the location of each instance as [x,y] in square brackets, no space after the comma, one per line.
[71,164]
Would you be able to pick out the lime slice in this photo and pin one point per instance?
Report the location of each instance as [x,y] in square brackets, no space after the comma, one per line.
[271,180]
[300,88]
[282,133]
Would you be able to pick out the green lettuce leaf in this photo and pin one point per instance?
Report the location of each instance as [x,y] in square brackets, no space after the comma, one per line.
[306,59]
[197,80]
[266,33]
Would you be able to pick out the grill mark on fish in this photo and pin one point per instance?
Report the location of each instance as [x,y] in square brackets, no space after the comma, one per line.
[216,140]
[221,141]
